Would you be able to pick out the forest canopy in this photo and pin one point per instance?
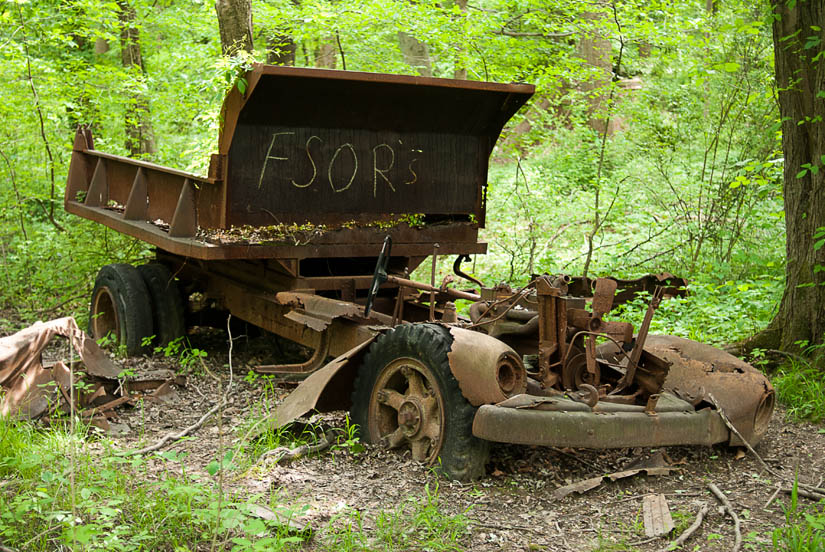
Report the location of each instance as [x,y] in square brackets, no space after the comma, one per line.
[652,144]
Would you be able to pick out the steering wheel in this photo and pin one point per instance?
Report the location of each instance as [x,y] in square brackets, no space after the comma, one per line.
[380,274]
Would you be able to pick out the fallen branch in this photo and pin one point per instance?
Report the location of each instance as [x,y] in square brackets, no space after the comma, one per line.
[806,494]
[175,436]
[729,424]
[689,531]
[283,454]
[729,508]
[6,549]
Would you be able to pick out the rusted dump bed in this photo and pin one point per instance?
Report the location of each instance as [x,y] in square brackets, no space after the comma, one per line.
[347,157]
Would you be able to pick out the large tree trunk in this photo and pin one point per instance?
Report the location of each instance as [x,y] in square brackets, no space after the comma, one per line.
[140,138]
[235,24]
[800,80]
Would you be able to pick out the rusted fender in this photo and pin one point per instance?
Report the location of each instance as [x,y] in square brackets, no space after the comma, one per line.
[328,388]
[702,374]
[487,370]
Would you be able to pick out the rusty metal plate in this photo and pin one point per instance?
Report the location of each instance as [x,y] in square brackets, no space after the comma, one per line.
[598,430]
[307,145]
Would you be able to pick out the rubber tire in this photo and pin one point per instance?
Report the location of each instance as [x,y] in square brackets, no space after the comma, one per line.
[462,455]
[167,304]
[131,305]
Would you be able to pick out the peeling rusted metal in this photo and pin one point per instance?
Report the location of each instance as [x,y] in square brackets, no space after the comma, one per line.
[25,379]
[325,389]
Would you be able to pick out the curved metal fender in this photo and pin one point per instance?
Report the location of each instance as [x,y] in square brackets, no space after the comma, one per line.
[488,371]
[328,388]
[700,372]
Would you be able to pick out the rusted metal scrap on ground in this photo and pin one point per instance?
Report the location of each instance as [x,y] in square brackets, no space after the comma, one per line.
[86,381]
[328,189]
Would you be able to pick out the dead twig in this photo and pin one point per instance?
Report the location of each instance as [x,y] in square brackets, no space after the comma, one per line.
[175,436]
[773,496]
[806,494]
[729,424]
[690,530]
[729,509]
[283,454]
[581,460]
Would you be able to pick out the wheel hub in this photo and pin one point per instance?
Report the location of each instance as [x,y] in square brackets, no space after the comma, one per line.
[407,411]
[409,417]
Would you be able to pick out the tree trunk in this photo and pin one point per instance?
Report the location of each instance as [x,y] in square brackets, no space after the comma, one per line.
[326,54]
[235,25]
[416,54]
[461,52]
[281,50]
[140,138]
[800,80]
[597,51]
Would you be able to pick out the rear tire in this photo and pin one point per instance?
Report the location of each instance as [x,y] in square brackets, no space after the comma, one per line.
[406,397]
[167,305]
[121,307]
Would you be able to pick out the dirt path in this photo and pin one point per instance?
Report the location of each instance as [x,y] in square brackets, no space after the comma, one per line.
[513,507]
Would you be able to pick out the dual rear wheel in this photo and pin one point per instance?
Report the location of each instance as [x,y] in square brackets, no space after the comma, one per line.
[131,304]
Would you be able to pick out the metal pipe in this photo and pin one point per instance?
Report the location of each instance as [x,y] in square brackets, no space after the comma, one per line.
[432,282]
[425,287]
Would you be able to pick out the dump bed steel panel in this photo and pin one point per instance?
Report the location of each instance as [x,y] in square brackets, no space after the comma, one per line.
[348,157]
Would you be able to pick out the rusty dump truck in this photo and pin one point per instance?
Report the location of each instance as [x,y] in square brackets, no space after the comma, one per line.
[328,189]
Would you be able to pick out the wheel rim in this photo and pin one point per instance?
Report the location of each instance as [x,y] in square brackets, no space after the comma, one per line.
[104,315]
[407,409]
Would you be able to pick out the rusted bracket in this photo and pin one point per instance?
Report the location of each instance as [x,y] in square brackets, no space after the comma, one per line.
[314,362]
[641,337]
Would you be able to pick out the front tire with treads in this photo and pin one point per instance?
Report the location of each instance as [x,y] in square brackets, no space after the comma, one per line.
[405,396]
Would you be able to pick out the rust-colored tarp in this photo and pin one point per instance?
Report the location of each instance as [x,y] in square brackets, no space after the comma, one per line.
[25,380]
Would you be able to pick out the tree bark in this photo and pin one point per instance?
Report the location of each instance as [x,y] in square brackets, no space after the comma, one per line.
[281,50]
[140,137]
[597,51]
[800,80]
[460,63]
[235,25]
[416,54]
[326,54]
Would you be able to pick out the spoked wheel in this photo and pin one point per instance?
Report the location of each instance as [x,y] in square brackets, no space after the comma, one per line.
[406,397]
[407,409]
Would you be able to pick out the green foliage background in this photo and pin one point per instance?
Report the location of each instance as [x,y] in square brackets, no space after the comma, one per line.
[690,185]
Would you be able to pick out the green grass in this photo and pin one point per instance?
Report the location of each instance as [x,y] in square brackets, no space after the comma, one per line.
[801,388]
[804,529]
[415,524]
[63,488]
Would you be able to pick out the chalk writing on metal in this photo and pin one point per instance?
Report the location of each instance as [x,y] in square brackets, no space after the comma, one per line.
[354,169]
[268,156]
[412,172]
[381,168]
[314,168]
[376,171]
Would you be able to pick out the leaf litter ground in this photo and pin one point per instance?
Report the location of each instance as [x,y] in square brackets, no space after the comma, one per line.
[513,508]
